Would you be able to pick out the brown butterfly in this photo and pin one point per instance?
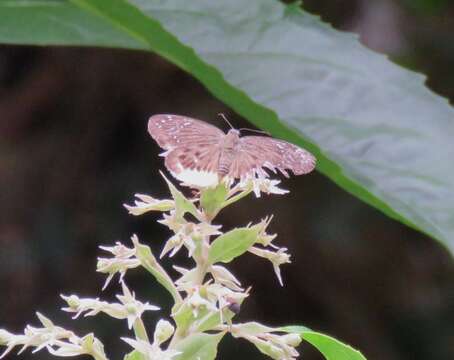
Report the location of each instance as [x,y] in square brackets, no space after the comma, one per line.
[200,154]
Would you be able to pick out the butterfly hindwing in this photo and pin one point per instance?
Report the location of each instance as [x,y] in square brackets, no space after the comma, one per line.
[194,164]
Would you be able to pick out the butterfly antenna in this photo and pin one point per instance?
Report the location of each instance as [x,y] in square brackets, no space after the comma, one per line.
[257,131]
[225,119]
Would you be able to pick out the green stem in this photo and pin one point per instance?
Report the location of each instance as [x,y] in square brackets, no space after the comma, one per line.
[236,197]
[149,262]
[139,330]
[97,356]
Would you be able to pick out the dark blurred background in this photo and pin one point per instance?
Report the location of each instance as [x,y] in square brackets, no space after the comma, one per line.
[74,148]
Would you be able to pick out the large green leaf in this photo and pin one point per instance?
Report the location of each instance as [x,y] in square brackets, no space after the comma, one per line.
[331,348]
[376,130]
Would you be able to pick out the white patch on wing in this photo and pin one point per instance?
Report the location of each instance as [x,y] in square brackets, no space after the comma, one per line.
[199,178]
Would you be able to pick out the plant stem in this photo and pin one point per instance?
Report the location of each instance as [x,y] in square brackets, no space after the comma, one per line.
[139,330]
[237,197]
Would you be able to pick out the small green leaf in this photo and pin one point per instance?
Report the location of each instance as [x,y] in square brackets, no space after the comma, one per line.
[213,319]
[210,321]
[183,316]
[134,355]
[206,319]
[149,262]
[182,204]
[199,347]
[212,199]
[332,349]
[232,244]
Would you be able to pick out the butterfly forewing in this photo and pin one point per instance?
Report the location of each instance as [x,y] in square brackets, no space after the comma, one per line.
[171,131]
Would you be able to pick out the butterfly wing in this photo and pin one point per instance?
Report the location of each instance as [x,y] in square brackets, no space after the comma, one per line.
[258,152]
[171,131]
[194,165]
[193,147]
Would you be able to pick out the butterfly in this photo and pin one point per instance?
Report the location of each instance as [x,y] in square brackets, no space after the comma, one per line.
[201,154]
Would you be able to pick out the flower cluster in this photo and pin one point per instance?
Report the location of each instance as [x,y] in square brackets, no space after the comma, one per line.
[207,297]
[57,340]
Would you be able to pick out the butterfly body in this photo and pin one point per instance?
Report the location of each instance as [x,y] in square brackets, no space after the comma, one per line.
[200,154]
[228,151]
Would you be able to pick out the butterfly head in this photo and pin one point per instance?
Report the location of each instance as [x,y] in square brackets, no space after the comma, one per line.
[232,138]
[233,133]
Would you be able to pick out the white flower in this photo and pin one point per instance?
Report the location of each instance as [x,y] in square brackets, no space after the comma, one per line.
[173,221]
[176,242]
[119,250]
[267,186]
[5,337]
[260,183]
[123,260]
[276,346]
[147,203]
[129,308]
[223,295]
[277,258]
[187,234]
[187,279]
[263,238]
[223,276]
[55,339]
[132,306]
[88,345]
[196,301]
[151,352]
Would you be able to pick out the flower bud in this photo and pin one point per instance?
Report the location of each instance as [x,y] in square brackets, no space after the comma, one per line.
[5,337]
[164,330]
[292,340]
[147,203]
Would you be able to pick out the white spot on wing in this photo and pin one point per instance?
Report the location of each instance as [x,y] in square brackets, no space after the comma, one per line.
[165,153]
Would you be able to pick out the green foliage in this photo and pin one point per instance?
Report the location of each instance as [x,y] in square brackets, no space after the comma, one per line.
[183,316]
[182,204]
[199,346]
[232,244]
[134,355]
[212,199]
[149,262]
[331,348]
